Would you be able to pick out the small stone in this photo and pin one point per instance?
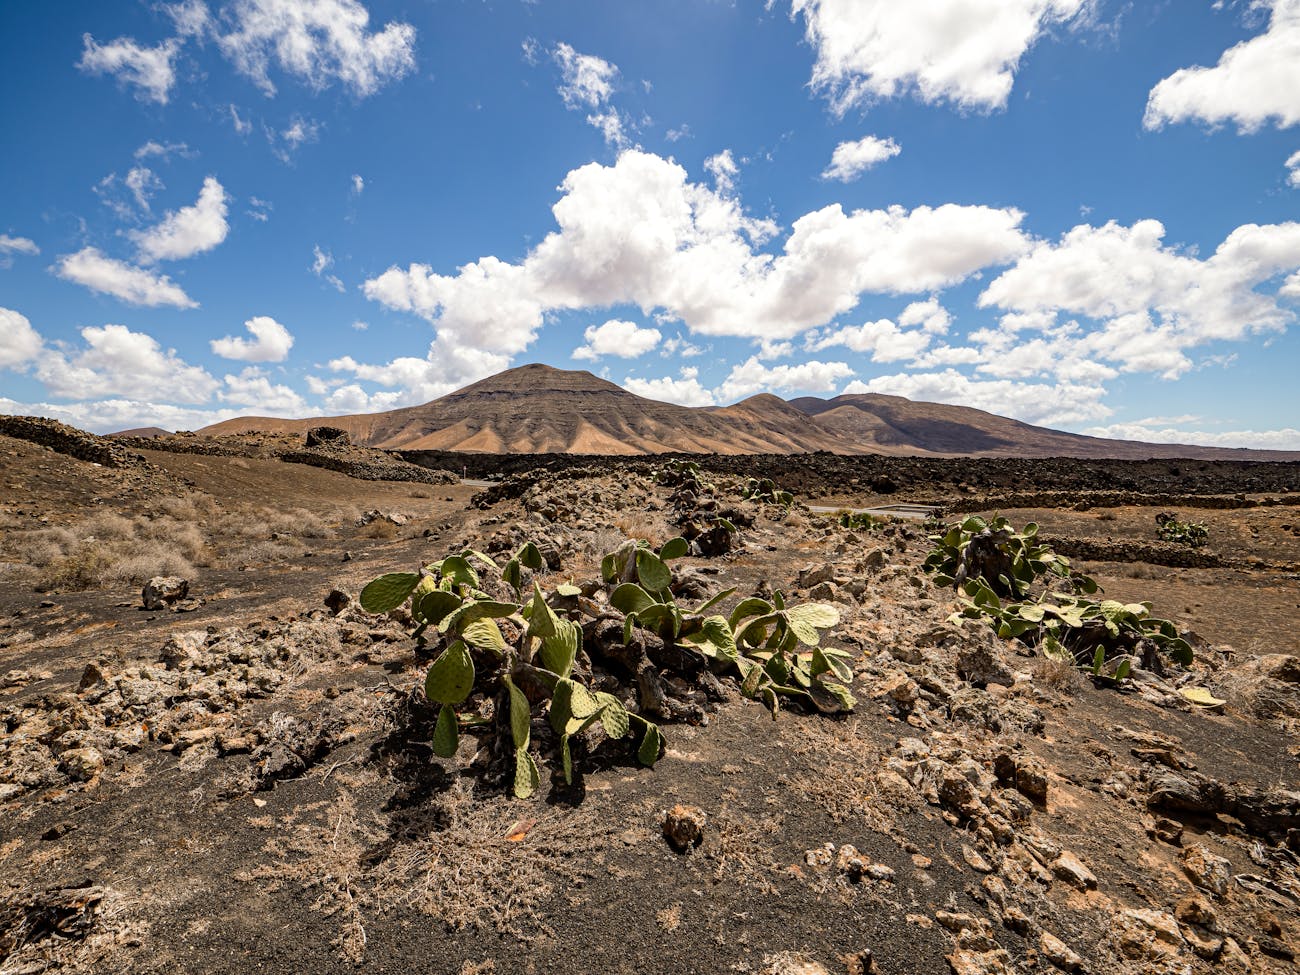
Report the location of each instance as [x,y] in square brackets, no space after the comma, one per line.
[1168,831]
[683,826]
[850,862]
[878,871]
[1147,933]
[1017,920]
[337,600]
[788,963]
[920,920]
[82,764]
[979,962]
[1207,870]
[821,856]
[811,575]
[975,859]
[92,675]
[1232,957]
[826,591]
[161,592]
[921,861]
[1204,944]
[1069,867]
[194,736]
[1059,953]
[1195,909]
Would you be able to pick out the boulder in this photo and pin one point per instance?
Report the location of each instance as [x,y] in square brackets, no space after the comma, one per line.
[162,592]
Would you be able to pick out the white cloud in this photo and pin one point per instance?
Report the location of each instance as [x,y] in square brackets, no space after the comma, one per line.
[149,69]
[318,41]
[143,183]
[751,377]
[253,389]
[1293,170]
[1154,302]
[110,415]
[683,131]
[19,342]
[134,285]
[1255,82]
[1158,430]
[242,125]
[162,149]
[1039,403]
[447,367]
[322,261]
[851,159]
[119,362]
[10,246]
[962,51]
[586,81]
[191,17]
[260,210]
[626,340]
[929,314]
[271,342]
[300,132]
[684,391]
[722,167]
[638,232]
[883,339]
[358,184]
[680,347]
[188,231]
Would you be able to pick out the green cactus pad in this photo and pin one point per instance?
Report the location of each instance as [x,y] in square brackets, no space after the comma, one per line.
[446,736]
[451,676]
[388,591]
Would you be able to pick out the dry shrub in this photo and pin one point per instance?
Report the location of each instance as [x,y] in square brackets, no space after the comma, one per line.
[153,560]
[1057,675]
[379,528]
[106,526]
[84,568]
[263,553]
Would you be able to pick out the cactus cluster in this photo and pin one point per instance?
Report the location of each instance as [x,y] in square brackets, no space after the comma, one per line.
[525,656]
[999,569]
[765,489]
[1193,534]
[1008,561]
[858,521]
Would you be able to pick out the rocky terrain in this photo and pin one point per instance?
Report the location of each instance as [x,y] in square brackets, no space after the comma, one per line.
[537,409]
[245,776]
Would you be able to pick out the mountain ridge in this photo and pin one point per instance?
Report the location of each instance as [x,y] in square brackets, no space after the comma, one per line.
[537,408]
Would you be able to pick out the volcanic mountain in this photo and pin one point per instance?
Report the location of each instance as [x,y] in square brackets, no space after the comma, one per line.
[540,409]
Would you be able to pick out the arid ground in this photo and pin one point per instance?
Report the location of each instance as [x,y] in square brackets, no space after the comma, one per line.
[240,781]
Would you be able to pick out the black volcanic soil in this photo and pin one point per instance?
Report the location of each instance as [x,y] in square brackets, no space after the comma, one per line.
[374,856]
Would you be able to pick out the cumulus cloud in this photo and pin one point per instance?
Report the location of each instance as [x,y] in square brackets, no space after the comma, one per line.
[639,232]
[1160,430]
[191,17]
[962,51]
[685,390]
[586,81]
[883,339]
[587,84]
[627,340]
[851,159]
[321,42]
[271,342]
[751,376]
[134,285]
[143,183]
[116,361]
[445,368]
[148,69]
[109,415]
[19,342]
[1293,169]
[929,314]
[722,167]
[9,246]
[1039,403]
[358,184]
[252,388]
[188,231]
[1154,302]
[1254,82]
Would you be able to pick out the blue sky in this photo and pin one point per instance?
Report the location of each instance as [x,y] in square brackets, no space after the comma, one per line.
[1081,214]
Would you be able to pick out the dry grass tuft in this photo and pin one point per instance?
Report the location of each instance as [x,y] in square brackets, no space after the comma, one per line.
[1057,675]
